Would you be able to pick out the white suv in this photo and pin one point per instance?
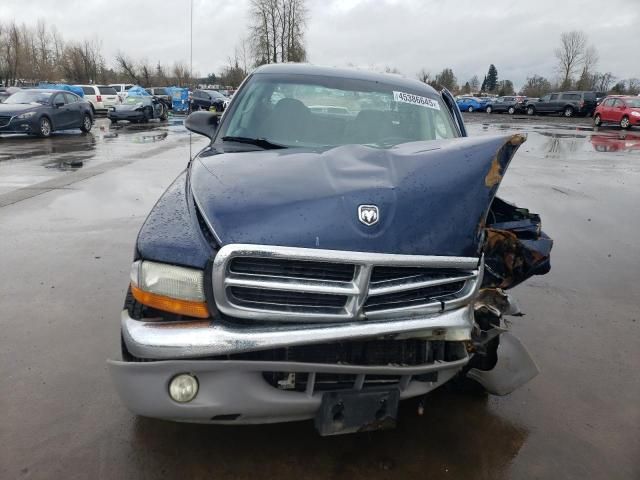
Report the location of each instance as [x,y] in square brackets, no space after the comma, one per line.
[101,97]
[122,89]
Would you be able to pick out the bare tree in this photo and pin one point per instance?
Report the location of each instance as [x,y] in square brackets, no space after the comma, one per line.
[603,81]
[424,76]
[277,31]
[570,55]
[536,86]
[181,74]
[127,67]
[474,83]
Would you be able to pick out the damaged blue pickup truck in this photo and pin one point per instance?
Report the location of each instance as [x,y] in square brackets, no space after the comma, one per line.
[336,248]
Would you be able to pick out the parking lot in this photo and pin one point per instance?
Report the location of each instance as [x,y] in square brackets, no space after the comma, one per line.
[71,206]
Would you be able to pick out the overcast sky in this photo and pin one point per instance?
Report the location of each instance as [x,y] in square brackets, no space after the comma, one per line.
[519,37]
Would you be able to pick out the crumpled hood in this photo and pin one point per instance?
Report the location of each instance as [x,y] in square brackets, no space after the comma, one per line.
[432,196]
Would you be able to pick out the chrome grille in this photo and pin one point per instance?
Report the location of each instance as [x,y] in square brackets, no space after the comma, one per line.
[300,284]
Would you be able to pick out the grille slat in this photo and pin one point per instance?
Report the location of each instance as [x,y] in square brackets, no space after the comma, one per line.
[299,284]
[412,297]
[293,269]
[293,299]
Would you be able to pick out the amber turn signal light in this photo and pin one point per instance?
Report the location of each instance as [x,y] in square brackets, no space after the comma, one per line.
[168,304]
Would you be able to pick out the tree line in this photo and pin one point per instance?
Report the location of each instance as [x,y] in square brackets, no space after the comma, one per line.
[576,70]
[29,55]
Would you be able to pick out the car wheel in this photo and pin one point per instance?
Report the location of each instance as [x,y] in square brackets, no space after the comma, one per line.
[624,123]
[87,123]
[568,112]
[44,127]
[597,121]
[511,110]
[470,109]
[489,110]
[531,111]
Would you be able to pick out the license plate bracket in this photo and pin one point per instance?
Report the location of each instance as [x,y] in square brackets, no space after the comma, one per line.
[350,411]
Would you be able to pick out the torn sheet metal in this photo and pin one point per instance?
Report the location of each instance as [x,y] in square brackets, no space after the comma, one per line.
[514,368]
[515,247]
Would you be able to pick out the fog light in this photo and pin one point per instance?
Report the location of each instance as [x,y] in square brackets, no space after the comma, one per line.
[183,388]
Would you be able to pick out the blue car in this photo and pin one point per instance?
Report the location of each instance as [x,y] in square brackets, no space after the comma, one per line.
[472,104]
[328,262]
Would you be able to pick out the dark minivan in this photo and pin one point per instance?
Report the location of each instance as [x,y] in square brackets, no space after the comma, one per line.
[566,103]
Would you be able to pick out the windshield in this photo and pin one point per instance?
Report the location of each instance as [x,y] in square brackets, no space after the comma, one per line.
[633,102]
[29,97]
[318,111]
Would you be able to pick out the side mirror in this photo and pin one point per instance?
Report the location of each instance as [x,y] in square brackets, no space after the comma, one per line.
[59,104]
[203,123]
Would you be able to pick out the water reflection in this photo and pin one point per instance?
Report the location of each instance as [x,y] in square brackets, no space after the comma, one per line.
[456,435]
[615,141]
[21,147]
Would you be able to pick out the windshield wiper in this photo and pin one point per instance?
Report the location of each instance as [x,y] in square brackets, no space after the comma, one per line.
[259,142]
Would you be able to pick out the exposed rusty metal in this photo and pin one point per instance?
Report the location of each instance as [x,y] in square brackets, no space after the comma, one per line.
[494,176]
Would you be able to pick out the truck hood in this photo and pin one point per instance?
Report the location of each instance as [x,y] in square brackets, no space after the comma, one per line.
[432,197]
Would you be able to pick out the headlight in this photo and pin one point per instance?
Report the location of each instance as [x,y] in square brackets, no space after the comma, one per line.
[635,114]
[26,115]
[169,288]
[112,109]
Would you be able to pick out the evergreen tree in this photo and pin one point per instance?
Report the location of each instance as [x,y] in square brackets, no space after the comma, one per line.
[483,88]
[492,78]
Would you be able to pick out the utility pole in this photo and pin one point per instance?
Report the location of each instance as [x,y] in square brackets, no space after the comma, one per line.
[191,45]
[191,65]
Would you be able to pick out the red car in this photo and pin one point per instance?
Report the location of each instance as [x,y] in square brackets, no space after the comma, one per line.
[625,111]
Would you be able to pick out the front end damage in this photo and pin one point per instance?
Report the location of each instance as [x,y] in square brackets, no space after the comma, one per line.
[338,335]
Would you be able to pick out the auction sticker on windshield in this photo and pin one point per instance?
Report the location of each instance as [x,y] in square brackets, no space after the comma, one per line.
[415,100]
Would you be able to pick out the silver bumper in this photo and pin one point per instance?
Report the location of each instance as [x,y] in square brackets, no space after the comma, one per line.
[175,340]
[236,392]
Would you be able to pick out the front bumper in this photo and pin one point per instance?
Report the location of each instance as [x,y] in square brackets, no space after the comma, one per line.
[15,125]
[131,115]
[202,338]
[236,391]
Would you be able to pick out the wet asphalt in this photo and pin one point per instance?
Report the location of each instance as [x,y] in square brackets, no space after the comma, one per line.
[70,209]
